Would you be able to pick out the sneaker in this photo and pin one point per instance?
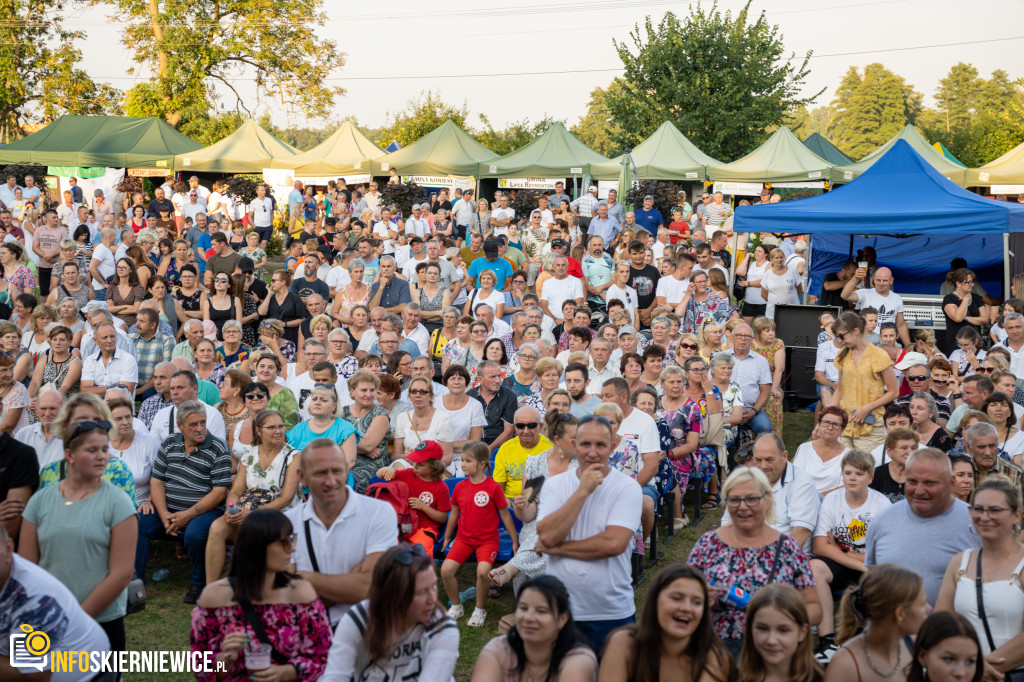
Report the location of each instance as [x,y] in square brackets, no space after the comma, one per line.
[192,596]
[825,651]
[477,619]
[456,611]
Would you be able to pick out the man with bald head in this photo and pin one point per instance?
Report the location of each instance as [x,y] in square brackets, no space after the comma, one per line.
[753,375]
[511,459]
[207,391]
[162,374]
[315,305]
[882,298]
[40,436]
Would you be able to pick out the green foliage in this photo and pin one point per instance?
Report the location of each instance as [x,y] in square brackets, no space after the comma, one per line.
[870,109]
[21,170]
[804,122]
[200,47]
[38,60]
[402,196]
[664,194]
[517,135]
[206,128]
[243,187]
[596,128]
[722,80]
[523,202]
[420,116]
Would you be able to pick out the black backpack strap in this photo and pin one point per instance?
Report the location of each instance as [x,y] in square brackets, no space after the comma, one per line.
[256,623]
[776,560]
[309,548]
[981,602]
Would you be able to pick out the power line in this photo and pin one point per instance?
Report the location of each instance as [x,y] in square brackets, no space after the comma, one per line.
[920,47]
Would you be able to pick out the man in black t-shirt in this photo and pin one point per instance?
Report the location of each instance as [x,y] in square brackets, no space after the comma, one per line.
[159,202]
[644,279]
[19,478]
[832,287]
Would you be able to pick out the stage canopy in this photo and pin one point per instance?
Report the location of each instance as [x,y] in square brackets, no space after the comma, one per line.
[107,141]
[954,171]
[666,155]
[555,154]
[445,150]
[1008,169]
[826,150]
[249,149]
[782,158]
[346,152]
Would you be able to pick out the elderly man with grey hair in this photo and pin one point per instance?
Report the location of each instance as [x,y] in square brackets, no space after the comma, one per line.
[981,442]
[40,436]
[193,335]
[389,290]
[1013,325]
[560,288]
[394,323]
[190,480]
[600,369]
[96,317]
[184,387]
[103,264]
[412,329]
[535,315]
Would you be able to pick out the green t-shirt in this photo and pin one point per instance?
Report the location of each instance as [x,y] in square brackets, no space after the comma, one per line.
[516,257]
[74,539]
[208,392]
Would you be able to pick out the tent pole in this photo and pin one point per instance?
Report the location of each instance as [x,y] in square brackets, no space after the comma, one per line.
[1007,292]
[735,255]
[807,272]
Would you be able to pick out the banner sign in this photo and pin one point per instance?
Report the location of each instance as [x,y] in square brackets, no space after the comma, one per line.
[440,181]
[529,183]
[749,189]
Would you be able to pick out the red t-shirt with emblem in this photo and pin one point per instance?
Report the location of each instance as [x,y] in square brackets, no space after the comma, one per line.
[433,493]
[478,505]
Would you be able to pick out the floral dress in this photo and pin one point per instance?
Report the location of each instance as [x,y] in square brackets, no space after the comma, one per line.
[522,391]
[749,569]
[286,346]
[773,408]
[270,479]
[216,376]
[190,303]
[732,397]
[256,255]
[682,422]
[233,360]
[715,307]
[23,279]
[366,467]
[250,330]
[348,303]
[301,632]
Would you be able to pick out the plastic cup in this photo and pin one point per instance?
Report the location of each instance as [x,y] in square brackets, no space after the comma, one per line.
[257,656]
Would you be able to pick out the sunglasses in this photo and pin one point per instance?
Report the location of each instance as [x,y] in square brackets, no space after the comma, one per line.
[522,426]
[419,391]
[985,370]
[406,556]
[917,377]
[688,346]
[87,426]
[255,395]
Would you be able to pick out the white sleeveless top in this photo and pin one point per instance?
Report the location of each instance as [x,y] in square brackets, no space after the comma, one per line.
[1004,604]
[752,295]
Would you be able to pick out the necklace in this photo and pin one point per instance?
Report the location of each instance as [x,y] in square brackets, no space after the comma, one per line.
[69,502]
[899,656]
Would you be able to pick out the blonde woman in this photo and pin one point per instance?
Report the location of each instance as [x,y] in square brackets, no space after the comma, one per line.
[774,351]
[710,337]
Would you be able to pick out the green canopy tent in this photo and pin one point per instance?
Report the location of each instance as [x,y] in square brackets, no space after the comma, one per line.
[447,150]
[346,152]
[108,141]
[826,150]
[555,154]
[249,149]
[666,155]
[1008,169]
[782,158]
[948,154]
[955,172]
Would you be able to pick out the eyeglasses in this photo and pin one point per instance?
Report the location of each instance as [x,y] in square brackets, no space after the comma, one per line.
[81,427]
[741,336]
[418,391]
[750,501]
[255,395]
[274,427]
[406,556]
[969,283]
[698,370]
[978,510]
[287,541]
[478,331]
[839,335]
[522,426]
[831,424]
[916,377]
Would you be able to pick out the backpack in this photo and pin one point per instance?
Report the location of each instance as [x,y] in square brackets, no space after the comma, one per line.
[397,494]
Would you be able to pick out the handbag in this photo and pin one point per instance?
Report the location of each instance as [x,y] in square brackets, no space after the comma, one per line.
[1010,675]
[254,498]
[137,596]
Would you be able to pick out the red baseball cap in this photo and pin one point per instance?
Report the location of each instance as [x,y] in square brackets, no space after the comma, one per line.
[426,450]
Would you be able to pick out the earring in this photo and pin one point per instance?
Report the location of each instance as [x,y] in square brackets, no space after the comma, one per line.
[924,672]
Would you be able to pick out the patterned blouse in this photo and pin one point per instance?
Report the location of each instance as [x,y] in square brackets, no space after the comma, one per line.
[117,474]
[299,631]
[22,279]
[233,360]
[216,375]
[749,569]
[286,346]
[715,307]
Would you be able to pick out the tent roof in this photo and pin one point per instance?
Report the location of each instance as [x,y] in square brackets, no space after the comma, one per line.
[931,204]
[666,155]
[782,158]
[249,149]
[110,141]
[1008,169]
[345,152]
[445,150]
[552,155]
[948,154]
[826,150]
[909,134]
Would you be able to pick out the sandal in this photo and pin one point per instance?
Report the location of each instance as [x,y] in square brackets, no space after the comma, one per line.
[680,522]
[494,591]
[713,501]
[500,575]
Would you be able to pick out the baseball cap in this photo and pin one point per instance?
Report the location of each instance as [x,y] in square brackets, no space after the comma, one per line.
[911,360]
[416,238]
[425,451]
[593,188]
[416,207]
[245,264]
[627,329]
[331,221]
[649,196]
[491,246]
[560,242]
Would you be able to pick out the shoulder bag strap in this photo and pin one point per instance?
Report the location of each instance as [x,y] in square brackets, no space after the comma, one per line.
[981,602]
[309,548]
[257,625]
[776,560]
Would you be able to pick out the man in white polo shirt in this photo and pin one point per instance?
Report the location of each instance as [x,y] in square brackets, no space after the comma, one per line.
[261,215]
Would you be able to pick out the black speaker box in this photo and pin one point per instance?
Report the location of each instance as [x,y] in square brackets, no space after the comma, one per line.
[797,325]
[801,375]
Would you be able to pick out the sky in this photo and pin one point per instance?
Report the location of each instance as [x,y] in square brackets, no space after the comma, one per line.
[565,50]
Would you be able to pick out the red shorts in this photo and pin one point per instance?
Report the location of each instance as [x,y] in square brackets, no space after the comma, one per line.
[460,551]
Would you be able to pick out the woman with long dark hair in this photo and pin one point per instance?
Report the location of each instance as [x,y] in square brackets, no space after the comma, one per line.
[125,293]
[543,645]
[777,642]
[946,649]
[400,632]
[283,609]
[675,632]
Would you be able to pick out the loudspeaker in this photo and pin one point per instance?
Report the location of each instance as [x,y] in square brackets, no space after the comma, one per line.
[797,325]
[801,375]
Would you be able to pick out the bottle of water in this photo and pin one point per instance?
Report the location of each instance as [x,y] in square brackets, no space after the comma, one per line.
[160,575]
[232,509]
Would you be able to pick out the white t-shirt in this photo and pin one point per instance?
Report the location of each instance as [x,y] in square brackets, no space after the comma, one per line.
[826,475]
[106,265]
[440,430]
[502,214]
[640,428]
[849,526]
[601,589]
[338,278]
[33,597]
[824,360]
[672,289]
[781,289]
[546,217]
[164,424]
[887,306]
[753,295]
[409,269]
[493,300]
[557,291]
[627,296]
[262,211]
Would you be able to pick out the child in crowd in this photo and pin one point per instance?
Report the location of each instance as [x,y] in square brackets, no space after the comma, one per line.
[478,502]
[825,322]
[1013,305]
[428,494]
[870,316]
[679,227]
[967,358]
[839,538]
[888,337]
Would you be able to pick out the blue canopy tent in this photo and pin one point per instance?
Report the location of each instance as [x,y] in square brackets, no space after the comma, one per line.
[912,214]
[393,147]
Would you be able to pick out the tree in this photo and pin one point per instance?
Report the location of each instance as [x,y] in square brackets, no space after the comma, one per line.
[38,61]
[870,109]
[804,122]
[420,116]
[198,47]
[722,80]
[958,94]
[597,129]
[516,135]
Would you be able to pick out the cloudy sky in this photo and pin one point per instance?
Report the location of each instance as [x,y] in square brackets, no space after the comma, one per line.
[550,56]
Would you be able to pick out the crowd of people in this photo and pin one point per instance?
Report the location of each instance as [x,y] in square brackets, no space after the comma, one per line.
[529,392]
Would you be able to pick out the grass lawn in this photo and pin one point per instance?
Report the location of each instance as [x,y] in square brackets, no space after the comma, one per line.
[164,625]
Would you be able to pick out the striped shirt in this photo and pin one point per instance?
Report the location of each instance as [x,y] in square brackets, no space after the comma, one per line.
[188,478]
